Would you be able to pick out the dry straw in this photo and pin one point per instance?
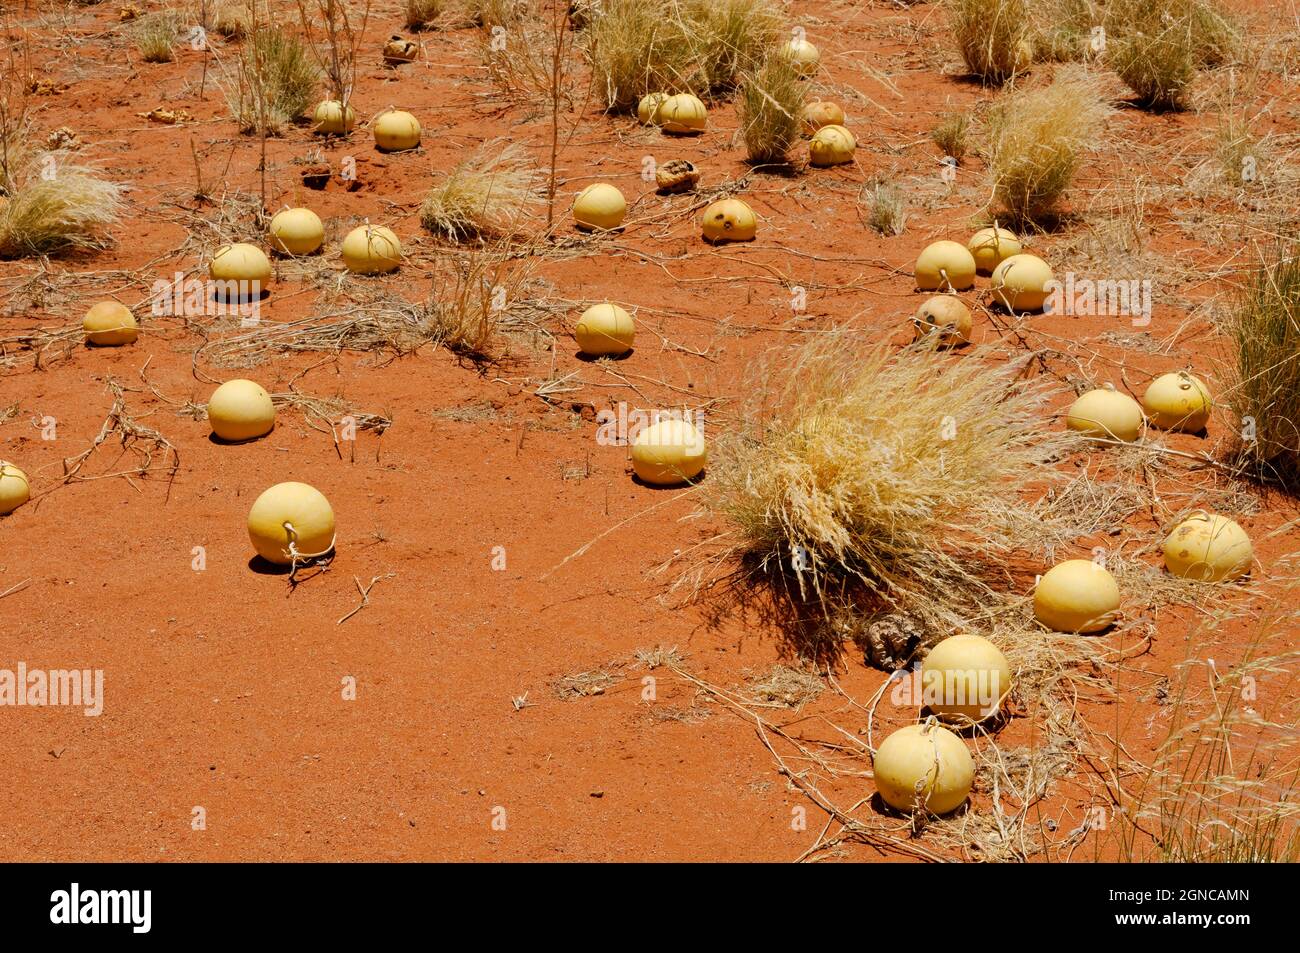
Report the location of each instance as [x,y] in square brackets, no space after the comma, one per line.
[857,484]
[275,82]
[154,35]
[55,205]
[701,46]
[488,196]
[637,48]
[1037,138]
[1157,46]
[731,37]
[992,36]
[770,110]
[1264,385]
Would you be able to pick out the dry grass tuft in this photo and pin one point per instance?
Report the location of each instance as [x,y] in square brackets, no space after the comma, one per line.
[634,49]
[486,196]
[423,14]
[1062,29]
[1036,140]
[490,13]
[993,36]
[886,208]
[771,110]
[856,484]
[732,38]
[697,46]
[233,19]
[276,81]
[657,656]
[584,684]
[950,135]
[54,205]
[1156,46]
[1264,390]
[786,687]
[1238,152]
[473,296]
[154,35]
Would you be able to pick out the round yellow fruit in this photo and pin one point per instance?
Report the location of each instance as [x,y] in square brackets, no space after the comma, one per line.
[297,231]
[1077,595]
[240,410]
[14,488]
[803,55]
[1107,414]
[946,317]
[991,247]
[1209,548]
[396,131]
[668,452]
[944,266]
[1177,401]
[729,220]
[333,119]
[291,521]
[647,109]
[821,114]
[109,324]
[831,145]
[600,206]
[605,329]
[1020,282]
[240,262]
[683,114]
[371,250]
[964,679]
[923,766]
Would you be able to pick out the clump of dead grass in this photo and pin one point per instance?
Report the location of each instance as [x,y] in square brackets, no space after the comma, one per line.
[1264,389]
[653,657]
[992,36]
[584,684]
[276,81]
[490,13]
[1037,138]
[860,483]
[1063,29]
[54,205]
[423,14]
[486,196]
[233,18]
[770,110]
[1238,151]
[473,296]
[786,687]
[1157,46]
[731,37]
[950,135]
[886,207]
[154,35]
[637,48]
